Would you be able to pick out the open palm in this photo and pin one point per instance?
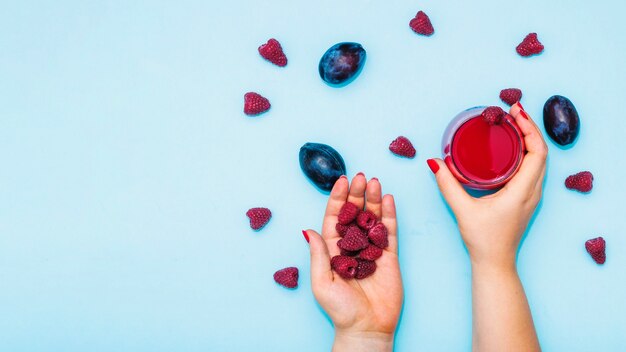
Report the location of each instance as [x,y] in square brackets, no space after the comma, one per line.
[371,305]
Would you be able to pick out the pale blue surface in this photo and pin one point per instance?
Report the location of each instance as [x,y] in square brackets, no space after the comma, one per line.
[128,165]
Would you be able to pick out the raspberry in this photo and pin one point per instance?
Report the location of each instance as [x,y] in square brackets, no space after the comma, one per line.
[364,268]
[287,277]
[402,146]
[273,52]
[258,217]
[421,24]
[378,235]
[596,247]
[371,253]
[582,182]
[347,253]
[366,219]
[511,95]
[348,213]
[354,230]
[358,250]
[255,104]
[344,266]
[529,46]
[341,229]
[493,115]
[354,240]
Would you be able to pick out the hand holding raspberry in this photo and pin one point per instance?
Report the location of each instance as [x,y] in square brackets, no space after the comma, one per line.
[364,312]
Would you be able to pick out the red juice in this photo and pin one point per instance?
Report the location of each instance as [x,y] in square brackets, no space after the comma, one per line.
[480,155]
[484,153]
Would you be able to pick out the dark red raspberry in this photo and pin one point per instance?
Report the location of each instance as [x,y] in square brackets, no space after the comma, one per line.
[596,247]
[421,24]
[366,219]
[529,46]
[378,235]
[344,266]
[371,253]
[402,146]
[493,115]
[273,52]
[347,213]
[355,230]
[582,182]
[511,95]
[255,104]
[287,277]
[347,253]
[258,217]
[354,240]
[341,229]
[351,227]
[364,268]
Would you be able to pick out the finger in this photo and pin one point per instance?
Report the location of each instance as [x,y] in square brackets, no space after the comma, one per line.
[517,108]
[357,190]
[373,197]
[450,188]
[321,273]
[389,220]
[337,198]
[534,162]
[521,117]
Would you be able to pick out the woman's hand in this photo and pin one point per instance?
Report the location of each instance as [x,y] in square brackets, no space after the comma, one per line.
[492,226]
[364,312]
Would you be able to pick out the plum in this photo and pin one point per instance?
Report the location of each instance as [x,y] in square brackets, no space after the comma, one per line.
[321,164]
[342,63]
[561,120]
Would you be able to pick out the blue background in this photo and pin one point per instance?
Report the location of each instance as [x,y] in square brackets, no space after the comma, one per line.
[127,166]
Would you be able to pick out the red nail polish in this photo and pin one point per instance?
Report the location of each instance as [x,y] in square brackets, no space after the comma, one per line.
[524,114]
[432,164]
[374,179]
[360,173]
[520,105]
[306,236]
[343,176]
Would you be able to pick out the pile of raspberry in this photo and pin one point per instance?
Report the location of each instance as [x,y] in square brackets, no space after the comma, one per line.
[363,239]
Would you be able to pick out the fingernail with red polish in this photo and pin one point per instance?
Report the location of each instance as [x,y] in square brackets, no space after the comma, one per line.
[520,105]
[374,179]
[524,114]
[360,173]
[432,164]
[306,236]
[343,176]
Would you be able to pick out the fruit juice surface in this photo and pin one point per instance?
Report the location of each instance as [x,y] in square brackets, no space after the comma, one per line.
[484,153]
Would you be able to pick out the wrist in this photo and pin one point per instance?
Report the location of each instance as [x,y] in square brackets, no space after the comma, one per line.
[366,341]
[501,260]
[499,266]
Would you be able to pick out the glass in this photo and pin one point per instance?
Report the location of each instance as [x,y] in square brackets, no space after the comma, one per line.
[479,155]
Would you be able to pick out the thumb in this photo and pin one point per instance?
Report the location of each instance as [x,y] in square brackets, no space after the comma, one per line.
[321,273]
[450,188]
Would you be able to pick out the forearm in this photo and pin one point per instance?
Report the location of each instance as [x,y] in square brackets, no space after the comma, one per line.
[365,342]
[502,318]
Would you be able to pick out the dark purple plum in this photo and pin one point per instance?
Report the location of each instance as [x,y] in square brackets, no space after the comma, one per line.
[321,164]
[342,63]
[560,119]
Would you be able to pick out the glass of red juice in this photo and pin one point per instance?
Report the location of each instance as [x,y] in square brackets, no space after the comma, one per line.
[479,155]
